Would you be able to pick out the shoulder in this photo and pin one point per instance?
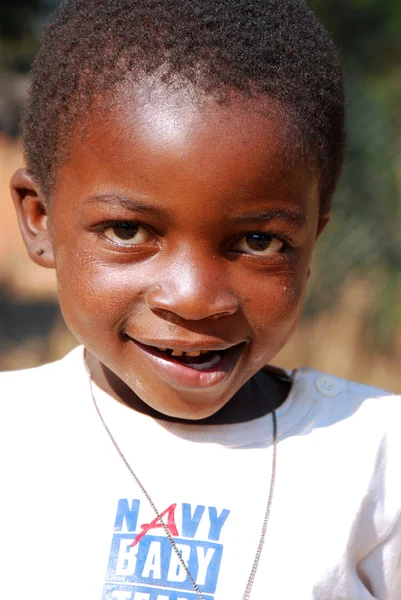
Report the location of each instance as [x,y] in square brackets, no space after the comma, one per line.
[40,407]
[345,403]
[18,378]
[356,429]
[330,386]
[39,382]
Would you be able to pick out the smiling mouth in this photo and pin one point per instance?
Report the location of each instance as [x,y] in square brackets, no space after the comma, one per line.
[200,360]
[193,368]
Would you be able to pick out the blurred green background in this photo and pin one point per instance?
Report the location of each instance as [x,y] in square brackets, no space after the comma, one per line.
[352,320]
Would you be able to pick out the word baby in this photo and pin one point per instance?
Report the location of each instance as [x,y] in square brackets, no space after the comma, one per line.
[143,565]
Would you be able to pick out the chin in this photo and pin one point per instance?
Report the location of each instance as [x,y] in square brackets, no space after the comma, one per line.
[186,410]
[190,412]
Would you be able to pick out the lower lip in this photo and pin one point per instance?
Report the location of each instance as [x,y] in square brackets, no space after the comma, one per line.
[180,375]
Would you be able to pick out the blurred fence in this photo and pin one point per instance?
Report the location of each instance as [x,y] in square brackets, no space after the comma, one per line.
[352,319]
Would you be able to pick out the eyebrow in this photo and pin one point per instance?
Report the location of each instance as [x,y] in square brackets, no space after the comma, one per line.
[131,204]
[294,216]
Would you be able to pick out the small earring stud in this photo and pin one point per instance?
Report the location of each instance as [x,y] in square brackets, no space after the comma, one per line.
[39,251]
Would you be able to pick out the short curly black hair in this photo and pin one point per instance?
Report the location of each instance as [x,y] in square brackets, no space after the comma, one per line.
[272,47]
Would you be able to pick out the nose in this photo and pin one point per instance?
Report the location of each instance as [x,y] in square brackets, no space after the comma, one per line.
[193,289]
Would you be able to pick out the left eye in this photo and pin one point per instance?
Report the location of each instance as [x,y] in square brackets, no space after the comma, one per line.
[258,244]
[126,234]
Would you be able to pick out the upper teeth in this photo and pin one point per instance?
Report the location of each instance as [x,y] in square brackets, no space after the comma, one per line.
[181,353]
[216,357]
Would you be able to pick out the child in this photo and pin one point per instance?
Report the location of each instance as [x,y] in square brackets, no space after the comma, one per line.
[181,160]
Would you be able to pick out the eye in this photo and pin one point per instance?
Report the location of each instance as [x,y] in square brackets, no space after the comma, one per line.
[258,244]
[126,234]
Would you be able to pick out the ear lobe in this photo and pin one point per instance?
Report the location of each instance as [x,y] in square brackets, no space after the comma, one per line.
[32,217]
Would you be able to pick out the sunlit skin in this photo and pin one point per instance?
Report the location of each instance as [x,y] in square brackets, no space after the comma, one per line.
[179,224]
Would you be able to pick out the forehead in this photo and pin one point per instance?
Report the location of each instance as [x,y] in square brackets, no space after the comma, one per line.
[159,136]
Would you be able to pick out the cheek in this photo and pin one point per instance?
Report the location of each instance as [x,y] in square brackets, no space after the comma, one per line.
[274,309]
[95,299]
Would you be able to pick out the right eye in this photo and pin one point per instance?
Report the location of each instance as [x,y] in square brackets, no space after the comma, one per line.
[126,234]
[259,244]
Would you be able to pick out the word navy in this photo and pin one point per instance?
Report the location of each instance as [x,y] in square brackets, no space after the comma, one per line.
[144,566]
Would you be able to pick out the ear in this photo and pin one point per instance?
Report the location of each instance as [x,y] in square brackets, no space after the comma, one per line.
[32,217]
[322,224]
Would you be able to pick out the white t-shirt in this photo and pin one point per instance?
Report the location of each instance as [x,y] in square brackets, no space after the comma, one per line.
[75,526]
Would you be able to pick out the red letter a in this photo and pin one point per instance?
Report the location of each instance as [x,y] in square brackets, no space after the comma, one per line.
[155,524]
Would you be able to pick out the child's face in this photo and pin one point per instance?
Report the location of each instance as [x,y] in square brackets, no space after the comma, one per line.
[188,228]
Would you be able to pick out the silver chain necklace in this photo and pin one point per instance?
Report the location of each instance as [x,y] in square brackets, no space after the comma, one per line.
[252,574]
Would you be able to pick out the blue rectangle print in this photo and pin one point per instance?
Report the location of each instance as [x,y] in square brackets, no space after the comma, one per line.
[154,562]
[135,592]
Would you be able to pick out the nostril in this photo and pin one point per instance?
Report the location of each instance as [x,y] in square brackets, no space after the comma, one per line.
[168,315]
[220,315]
[174,302]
